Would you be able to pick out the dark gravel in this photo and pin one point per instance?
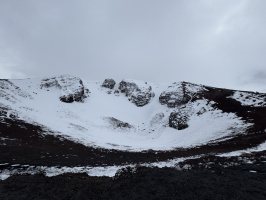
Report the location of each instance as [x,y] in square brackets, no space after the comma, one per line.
[145,183]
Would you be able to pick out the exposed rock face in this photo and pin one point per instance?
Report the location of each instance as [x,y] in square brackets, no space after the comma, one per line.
[201,111]
[178,120]
[108,83]
[139,93]
[180,93]
[71,87]
[116,123]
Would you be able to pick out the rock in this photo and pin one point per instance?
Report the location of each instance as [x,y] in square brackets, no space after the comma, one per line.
[72,88]
[139,93]
[201,111]
[128,87]
[179,94]
[178,120]
[116,123]
[109,83]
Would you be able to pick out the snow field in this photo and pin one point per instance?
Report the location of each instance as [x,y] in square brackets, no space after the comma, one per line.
[89,122]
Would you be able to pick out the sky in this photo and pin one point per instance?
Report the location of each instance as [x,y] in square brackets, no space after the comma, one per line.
[219,43]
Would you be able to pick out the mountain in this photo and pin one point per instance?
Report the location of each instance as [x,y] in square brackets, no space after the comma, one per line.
[63,124]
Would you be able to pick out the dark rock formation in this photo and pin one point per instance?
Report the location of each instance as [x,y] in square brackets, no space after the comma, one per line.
[128,87]
[108,83]
[116,123]
[138,94]
[179,94]
[173,99]
[201,111]
[178,120]
[72,88]
[142,98]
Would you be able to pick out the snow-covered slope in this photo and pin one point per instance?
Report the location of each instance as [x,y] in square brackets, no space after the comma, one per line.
[122,118]
[250,98]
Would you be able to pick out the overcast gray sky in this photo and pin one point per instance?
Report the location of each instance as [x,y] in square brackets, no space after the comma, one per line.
[215,42]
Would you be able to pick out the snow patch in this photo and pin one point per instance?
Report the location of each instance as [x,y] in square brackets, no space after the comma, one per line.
[261,147]
[250,98]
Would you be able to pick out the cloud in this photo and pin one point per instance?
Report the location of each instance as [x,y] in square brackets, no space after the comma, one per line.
[255,80]
[207,42]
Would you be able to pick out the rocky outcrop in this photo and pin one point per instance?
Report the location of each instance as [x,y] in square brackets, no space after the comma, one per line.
[139,93]
[116,123]
[72,88]
[109,83]
[178,120]
[180,93]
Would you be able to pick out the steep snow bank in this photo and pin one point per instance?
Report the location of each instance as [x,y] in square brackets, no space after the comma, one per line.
[71,87]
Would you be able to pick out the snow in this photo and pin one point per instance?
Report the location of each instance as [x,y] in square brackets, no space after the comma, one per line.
[261,147]
[177,89]
[250,98]
[109,171]
[88,122]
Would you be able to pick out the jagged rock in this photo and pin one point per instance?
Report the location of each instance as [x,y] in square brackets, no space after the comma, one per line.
[116,123]
[128,87]
[201,111]
[140,93]
[179,94]
[178,120]
[72,88]
[108,83]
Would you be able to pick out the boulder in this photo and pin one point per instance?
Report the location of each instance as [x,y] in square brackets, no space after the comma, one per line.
[179,94]
[116,123]
[71,87]
[201,111]
[109,83]
[139,93]
[178,120]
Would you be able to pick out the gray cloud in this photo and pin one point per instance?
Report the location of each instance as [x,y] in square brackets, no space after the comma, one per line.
[255,80]
[209,42]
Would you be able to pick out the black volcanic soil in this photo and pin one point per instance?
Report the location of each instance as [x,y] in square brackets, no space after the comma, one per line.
[145,183]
